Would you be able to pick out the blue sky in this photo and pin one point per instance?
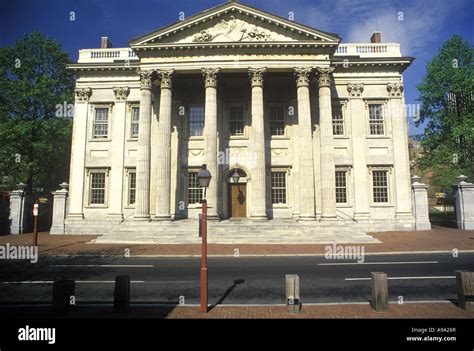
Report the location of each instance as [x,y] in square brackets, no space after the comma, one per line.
[420,26]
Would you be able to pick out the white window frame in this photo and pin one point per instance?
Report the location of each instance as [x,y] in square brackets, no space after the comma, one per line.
[287,172]
[342,106]
[285,120]
[89,171]
[244,106]
[92,136]
[188,121]
[131,108]
[188,204]
[389,170]
[128,172]
[383,103]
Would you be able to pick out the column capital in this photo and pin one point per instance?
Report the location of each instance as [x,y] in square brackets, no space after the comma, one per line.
[324,76]
[83,95]
[355,90]
[256,75]
[166,81]
[302,76]
[121,93]
[395,90]
[146,78]
[210,76]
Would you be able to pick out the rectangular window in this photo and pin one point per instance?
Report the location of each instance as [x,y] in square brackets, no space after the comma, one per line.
[135,121]
[278,187]
[195,192]
[380,186]
[376,121]
[97,188]
[196,120]
[337,120]
[341,187]
[236,120]
[277,120]
[132,187]
[101,123]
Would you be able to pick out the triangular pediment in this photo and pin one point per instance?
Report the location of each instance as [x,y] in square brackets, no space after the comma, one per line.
[233,22]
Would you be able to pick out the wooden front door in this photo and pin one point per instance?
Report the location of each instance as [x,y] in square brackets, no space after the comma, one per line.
[238,200]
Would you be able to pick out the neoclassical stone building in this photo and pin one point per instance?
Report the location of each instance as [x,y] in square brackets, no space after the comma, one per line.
[315,129]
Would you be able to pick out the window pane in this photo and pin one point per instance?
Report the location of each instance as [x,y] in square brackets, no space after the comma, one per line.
[279,187]
[135,121]
[97,188]
[196,120]
[341,187]
[380,186]
[376,121]
[195,192]
[277,120]
[337,120]
[132,186]
[236,120]
[101,122]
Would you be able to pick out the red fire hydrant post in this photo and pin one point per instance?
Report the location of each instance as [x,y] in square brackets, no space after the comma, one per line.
[35,223]
[204,257]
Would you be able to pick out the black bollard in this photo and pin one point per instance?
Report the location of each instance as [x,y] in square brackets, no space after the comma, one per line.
[63,295]
[122,294]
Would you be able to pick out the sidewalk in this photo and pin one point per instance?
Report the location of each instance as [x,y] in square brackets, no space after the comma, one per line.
[438,239]
[327,311]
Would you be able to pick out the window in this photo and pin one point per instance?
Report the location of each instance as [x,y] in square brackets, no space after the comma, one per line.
[337,120]
[195,192]
[97,188]
[101,123]
[277,120]
[376,122]
[196,120]
[236,120]
[132,187]
[341,187]
[135,121]
[380,186]
[278,187]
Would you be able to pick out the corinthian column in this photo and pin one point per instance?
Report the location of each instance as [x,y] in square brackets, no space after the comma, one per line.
[78,154]
[142,200]
[306,178]
[118,145]
[210,139]
[163,181]
[328,169]
[258,208]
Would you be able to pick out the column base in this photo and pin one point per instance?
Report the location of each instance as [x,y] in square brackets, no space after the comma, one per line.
[141,218]
[329,218]
[307,218]
[259,217]
[422,226]
[213,217]
[162,218]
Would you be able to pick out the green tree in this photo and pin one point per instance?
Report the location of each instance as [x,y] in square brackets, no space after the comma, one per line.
[447,113]
[35,136]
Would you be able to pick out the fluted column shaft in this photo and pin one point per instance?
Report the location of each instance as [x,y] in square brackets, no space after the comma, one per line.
[142,197]
[328,169]
[210,139]
[163,181]
[258,191]
[306,176]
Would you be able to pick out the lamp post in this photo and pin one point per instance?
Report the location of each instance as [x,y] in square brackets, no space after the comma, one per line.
[204,178]
[35,215]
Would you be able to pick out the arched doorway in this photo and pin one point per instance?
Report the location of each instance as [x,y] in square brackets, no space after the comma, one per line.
[237,193]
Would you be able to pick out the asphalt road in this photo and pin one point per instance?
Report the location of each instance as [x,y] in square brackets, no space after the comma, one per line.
[239,280]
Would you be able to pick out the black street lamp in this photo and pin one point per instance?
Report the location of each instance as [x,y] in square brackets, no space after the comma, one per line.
[235,176]
[204,178]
